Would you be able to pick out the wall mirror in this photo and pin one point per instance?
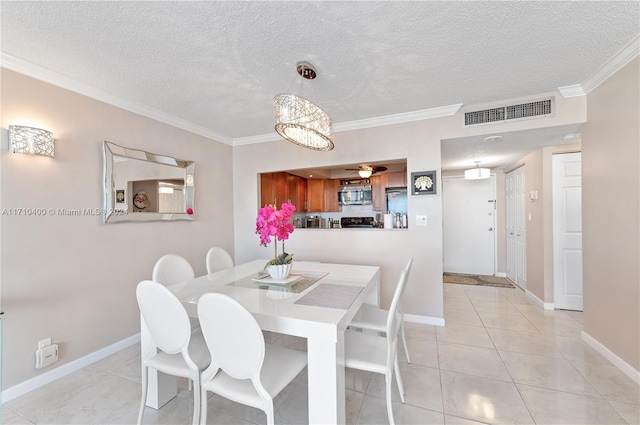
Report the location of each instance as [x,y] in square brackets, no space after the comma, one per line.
[142,186]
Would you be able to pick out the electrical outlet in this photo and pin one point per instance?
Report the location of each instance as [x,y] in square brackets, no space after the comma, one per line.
[44,343]
[46,356]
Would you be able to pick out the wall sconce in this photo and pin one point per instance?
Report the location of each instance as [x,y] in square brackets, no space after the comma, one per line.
[30,140]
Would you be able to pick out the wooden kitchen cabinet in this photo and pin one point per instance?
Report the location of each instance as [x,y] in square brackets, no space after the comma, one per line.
[276,188]
[398,179]
[378,194]
[315,195]
[331,195]
[322,195]
[297,192]
[273,188]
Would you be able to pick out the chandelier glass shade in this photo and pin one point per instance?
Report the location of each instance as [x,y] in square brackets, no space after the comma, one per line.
[302,122]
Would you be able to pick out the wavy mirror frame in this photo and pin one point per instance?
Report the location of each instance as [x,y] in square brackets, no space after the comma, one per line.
[112,214]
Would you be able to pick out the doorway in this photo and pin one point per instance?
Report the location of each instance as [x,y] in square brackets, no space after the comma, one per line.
[469,222]
[567,231]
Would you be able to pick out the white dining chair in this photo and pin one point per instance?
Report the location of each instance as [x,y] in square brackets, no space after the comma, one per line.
[172,268]
[373,353]
[242,368]
[182,353]
[374,318]
[218,259]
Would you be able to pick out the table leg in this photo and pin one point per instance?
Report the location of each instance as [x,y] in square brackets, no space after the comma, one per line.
[161,387]
[326,381]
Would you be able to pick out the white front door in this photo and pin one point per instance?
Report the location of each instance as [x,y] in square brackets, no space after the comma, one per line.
[567,230]
[469,225]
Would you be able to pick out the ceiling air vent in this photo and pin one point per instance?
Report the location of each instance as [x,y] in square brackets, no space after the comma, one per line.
[509,112]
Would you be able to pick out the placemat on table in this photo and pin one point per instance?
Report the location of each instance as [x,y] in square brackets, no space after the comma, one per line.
[331,296]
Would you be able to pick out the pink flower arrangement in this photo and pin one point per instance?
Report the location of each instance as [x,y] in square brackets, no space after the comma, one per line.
[273,222]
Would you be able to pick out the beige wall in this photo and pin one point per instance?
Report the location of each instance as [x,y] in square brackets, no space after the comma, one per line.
[610,215]
[73,278]
[419,143]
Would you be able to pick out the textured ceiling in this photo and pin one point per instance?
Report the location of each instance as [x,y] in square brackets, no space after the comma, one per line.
[217,65]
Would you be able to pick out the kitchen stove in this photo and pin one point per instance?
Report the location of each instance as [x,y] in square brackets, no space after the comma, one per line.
[354,222]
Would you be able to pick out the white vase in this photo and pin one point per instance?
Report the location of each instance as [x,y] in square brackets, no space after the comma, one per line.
[279,271]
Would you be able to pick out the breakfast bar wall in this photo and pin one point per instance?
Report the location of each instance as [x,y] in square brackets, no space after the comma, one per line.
[419,142]
[72,278]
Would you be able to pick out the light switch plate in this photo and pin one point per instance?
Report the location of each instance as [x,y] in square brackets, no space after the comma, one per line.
[421,220]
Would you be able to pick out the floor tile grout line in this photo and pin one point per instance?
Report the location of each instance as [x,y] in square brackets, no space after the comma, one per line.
[17,414]
[524,401]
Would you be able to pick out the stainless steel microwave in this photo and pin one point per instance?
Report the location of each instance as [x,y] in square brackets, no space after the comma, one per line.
[355,195]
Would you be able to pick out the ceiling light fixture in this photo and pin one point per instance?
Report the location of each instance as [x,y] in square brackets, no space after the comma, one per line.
[365,172]
[301,121]
[477,173]
[491,139]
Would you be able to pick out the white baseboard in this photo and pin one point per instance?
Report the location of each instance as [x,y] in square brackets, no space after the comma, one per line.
[66,369]
[538,301]
[425,320]
[501,274]
[625,367]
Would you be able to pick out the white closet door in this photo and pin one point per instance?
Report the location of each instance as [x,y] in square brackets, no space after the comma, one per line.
[516,238]
[510,196]
[567,231]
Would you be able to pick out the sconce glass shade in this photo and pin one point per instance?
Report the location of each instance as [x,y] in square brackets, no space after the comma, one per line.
[365,173]
[302,122]
[30,140]
[477,173]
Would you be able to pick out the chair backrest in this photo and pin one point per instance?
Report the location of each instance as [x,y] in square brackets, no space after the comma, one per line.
[407,270]
[392,319]
[172,268]
[233,336]
[164,315]
[218,259]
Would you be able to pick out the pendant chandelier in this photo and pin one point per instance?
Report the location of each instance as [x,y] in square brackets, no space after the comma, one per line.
[477,173]
[301,121]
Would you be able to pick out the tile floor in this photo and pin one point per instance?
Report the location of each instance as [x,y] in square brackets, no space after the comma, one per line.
[500,359]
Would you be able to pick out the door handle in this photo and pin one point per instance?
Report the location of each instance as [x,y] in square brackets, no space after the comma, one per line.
[491,229]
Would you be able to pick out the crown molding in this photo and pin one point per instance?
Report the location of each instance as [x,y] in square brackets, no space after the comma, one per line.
[613,65]
[260,138]
[571,91]
[48,76]
[424,114]
[620,59]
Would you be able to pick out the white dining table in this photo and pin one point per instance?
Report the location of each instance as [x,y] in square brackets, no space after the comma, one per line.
[320,313]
